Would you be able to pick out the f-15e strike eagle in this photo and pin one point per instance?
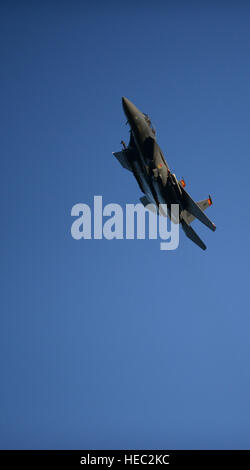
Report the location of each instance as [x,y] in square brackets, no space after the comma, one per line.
[144,158]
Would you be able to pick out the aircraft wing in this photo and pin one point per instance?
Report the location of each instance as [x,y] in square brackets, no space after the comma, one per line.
[123,158]
[195,210]
[203,205]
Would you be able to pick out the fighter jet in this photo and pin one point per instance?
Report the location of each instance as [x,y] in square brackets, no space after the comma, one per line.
[144,158]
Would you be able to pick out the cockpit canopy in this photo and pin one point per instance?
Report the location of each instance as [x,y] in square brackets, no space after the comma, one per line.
[148,121]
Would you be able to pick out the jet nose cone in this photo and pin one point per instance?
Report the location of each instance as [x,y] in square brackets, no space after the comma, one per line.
[125,103]
[129,108]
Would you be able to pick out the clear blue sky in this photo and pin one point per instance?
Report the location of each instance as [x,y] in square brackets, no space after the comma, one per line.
[117,344]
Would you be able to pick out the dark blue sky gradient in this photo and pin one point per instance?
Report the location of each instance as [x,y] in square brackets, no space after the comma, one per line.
[117,344]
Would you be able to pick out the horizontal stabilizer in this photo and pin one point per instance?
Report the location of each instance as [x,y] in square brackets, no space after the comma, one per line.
[123,158]
[189,231]
[195,209]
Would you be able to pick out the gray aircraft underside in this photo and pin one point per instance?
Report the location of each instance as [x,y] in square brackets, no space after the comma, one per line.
[144,158]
